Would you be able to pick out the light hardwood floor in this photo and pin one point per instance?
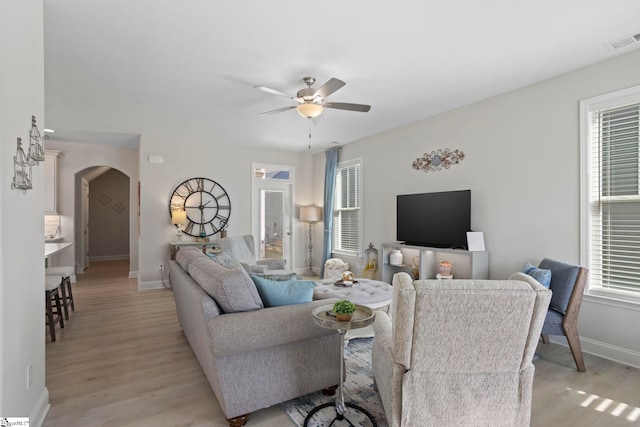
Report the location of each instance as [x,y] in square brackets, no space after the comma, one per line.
[122,360]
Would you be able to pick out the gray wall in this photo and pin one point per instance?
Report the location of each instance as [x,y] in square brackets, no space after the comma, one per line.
[523,168]
[22,331]
[109,216]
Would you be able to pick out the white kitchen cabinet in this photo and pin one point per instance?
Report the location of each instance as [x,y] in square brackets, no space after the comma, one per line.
[51,182]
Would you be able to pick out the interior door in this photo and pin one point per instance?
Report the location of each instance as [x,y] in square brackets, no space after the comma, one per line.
[85,224]
[273,224]
[272,214]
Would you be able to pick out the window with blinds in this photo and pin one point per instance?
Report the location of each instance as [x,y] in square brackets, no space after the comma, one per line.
[613,186]
[347,221]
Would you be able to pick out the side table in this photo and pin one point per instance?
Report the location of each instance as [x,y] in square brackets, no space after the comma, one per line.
[362,317]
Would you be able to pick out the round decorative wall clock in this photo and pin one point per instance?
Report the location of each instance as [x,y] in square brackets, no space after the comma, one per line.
[206,203]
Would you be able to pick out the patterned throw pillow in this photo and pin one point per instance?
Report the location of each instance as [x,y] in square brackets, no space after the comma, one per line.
[225,260]
[540,274]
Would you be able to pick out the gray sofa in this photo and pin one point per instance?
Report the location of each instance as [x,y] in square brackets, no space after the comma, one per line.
[253,358]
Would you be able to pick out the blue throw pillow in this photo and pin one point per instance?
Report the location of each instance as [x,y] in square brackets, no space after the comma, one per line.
[540,274]
[225,260]
[276,293]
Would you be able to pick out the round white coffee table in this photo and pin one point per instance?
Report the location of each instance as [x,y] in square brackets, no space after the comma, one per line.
[370,293]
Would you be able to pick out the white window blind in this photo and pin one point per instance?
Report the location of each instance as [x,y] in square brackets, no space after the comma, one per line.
[614,197]
[347,222]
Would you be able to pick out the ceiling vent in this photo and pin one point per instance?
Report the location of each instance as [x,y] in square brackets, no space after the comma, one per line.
[624,42]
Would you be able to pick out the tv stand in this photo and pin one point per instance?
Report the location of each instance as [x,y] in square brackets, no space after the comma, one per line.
[421,262]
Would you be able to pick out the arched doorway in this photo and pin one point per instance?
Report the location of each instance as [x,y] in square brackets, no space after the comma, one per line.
[102,216]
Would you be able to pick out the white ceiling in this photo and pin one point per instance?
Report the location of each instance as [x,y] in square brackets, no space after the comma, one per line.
[119,68]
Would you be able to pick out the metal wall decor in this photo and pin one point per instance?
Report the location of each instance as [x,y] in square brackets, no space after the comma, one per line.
[36,143]
[23,162]
[21,170]
[437,160]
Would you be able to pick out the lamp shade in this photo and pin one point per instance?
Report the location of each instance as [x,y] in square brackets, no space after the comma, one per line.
[310,214]
[178,217]
[310,111]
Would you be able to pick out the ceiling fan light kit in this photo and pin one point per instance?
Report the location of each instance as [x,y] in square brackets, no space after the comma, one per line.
[310,111]
[311,102]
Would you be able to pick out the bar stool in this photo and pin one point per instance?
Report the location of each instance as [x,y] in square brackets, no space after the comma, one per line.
[63,274]
[51,288]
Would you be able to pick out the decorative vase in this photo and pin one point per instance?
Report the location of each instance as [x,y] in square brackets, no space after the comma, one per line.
[344,317]
[395,257]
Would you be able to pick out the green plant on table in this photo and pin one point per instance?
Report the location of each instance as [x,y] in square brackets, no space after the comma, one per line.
[344,306]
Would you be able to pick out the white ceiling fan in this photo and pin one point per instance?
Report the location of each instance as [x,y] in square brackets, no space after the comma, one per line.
[311,102]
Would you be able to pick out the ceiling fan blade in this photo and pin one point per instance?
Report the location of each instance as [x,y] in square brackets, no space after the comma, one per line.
[279,110]
[347,106]
[329,87]
[274,92]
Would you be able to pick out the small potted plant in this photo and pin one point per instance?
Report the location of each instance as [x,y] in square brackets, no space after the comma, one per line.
[344,310]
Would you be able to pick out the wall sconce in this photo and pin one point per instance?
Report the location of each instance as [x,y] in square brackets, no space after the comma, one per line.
[21,170]
[310,214]
[178,218]
[36,143]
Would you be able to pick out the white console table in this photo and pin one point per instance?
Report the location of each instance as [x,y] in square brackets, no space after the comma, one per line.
[176,245]
[421,262]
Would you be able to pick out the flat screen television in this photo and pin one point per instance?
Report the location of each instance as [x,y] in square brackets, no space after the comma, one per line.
[434,219]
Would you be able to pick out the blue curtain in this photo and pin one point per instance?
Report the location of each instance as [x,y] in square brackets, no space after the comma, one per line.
[329,191]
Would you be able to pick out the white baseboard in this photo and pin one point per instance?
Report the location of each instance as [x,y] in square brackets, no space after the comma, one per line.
[40,410]
[133,274]
[611,352]
[154,284]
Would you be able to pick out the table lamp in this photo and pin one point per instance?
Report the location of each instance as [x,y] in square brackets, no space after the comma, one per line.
[178,218]
[310,214]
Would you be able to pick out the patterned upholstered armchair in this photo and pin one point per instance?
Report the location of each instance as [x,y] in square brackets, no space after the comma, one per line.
[458,352]
[242,249]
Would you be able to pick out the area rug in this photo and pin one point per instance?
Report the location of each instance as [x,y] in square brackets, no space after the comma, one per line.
[358,389]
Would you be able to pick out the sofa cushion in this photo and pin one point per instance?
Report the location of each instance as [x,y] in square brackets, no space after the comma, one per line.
[186,254]
[275,293]
[543,276]
[225,260]
[563,280]
[233,290]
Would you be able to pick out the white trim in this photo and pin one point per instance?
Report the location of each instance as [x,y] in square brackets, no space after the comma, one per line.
[133,274]
[40,410]
[286,185]
[597,294]
[627,302]
[601,349]
[152,284]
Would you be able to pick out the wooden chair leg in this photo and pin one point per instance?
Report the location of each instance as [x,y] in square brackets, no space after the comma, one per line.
[65,304]
[49,313]
[70,294]
[574,344]
[238,421]
[59,307]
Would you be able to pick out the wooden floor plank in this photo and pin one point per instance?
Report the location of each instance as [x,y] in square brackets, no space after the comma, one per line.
[122,360]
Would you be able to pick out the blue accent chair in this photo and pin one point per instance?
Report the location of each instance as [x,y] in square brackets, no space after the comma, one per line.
[567,283]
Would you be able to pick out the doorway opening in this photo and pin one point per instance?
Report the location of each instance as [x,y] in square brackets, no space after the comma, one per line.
[102,218]
[272,210]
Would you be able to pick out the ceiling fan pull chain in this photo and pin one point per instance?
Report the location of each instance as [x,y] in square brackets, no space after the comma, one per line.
[309,132]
